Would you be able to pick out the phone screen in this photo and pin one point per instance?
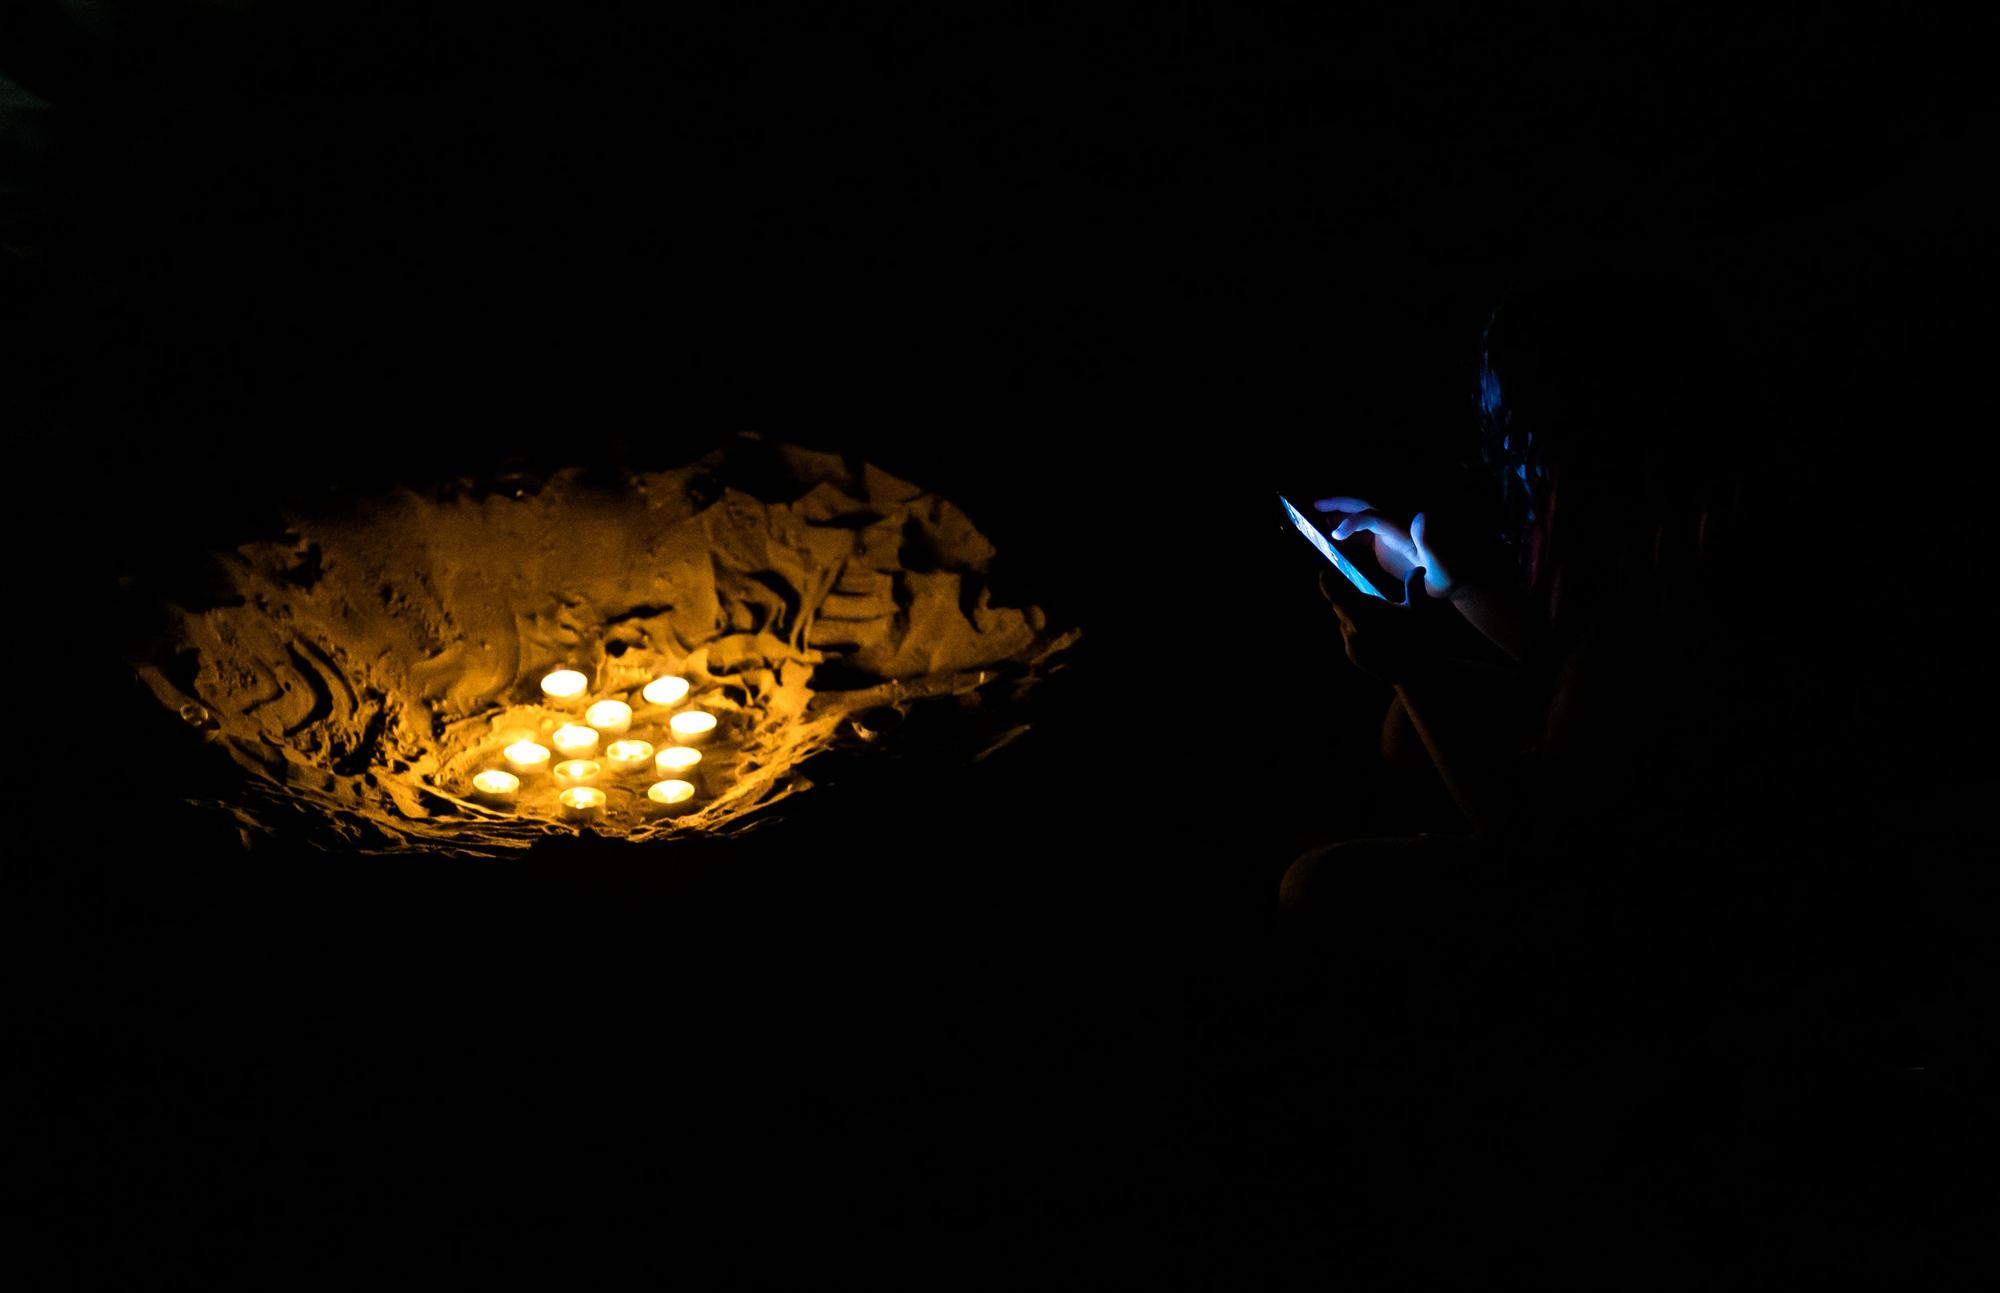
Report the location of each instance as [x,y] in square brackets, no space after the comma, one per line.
[1325,545]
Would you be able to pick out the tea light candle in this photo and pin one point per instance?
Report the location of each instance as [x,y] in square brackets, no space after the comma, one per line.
[665,691]
[611,717]
[575,741]
[565,686]
[676,760]
[496,787]
[577,772]
[670,795]
[628,756]
[525,757]
[692,727]
[582,803]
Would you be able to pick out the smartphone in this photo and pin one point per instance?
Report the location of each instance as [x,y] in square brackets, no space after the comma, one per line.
[1319,540]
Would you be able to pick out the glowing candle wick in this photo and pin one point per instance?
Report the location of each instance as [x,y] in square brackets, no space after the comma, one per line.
[611,717]
[526,756]
[669,794]
[496,786]
[628,756]
[575,740]
[582,801]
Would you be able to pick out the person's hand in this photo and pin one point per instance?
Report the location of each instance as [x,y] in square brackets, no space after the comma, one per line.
[1382,638]
[1399,548]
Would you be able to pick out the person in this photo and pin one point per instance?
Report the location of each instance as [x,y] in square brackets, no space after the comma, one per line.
[1716,783]
[1598,746]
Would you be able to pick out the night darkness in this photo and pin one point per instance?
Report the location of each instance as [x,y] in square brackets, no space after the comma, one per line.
[1105,277]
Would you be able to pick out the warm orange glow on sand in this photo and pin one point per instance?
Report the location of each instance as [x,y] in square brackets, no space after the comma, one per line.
[369,664]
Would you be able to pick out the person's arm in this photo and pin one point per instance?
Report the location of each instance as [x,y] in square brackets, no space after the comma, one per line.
[1503,616]
[1473,759]
[1467,713]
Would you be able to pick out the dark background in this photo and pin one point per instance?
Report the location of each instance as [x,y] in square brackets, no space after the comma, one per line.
[1105,276]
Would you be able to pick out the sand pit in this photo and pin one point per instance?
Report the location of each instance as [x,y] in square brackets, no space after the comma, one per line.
[362,669]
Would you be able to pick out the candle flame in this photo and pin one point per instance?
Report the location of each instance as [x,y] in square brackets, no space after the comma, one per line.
[623,752]
[677,758]
[692,723]
[526,752]
[608,713]
[670,792]
[571,737]
[666,691]
[565,684]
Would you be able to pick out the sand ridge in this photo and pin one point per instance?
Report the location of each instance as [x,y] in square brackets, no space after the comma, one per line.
[368,663]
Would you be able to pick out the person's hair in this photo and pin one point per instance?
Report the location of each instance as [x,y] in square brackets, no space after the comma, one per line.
[1603,414]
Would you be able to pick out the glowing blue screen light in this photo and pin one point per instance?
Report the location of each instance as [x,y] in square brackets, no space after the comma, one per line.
[1325,545]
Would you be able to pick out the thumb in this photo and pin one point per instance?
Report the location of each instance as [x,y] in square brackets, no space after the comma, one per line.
[1419,529]
[1420,525]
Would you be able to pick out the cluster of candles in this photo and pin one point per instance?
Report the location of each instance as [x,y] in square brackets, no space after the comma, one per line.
[574,763]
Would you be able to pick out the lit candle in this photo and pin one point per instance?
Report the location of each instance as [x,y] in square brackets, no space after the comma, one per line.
[575,741]
[525,757]
[671,796]
[496,787]
[565,687]
[577,772]
[582,803]
[692,727]
[676,760]
[611,717]
[628,756]
[666,691]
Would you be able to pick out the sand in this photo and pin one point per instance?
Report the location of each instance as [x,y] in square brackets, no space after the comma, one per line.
[361,669]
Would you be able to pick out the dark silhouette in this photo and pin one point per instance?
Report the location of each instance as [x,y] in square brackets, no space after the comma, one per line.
[1598,704]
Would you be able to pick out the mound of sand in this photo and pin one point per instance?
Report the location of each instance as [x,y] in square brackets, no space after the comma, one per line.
[361,670]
